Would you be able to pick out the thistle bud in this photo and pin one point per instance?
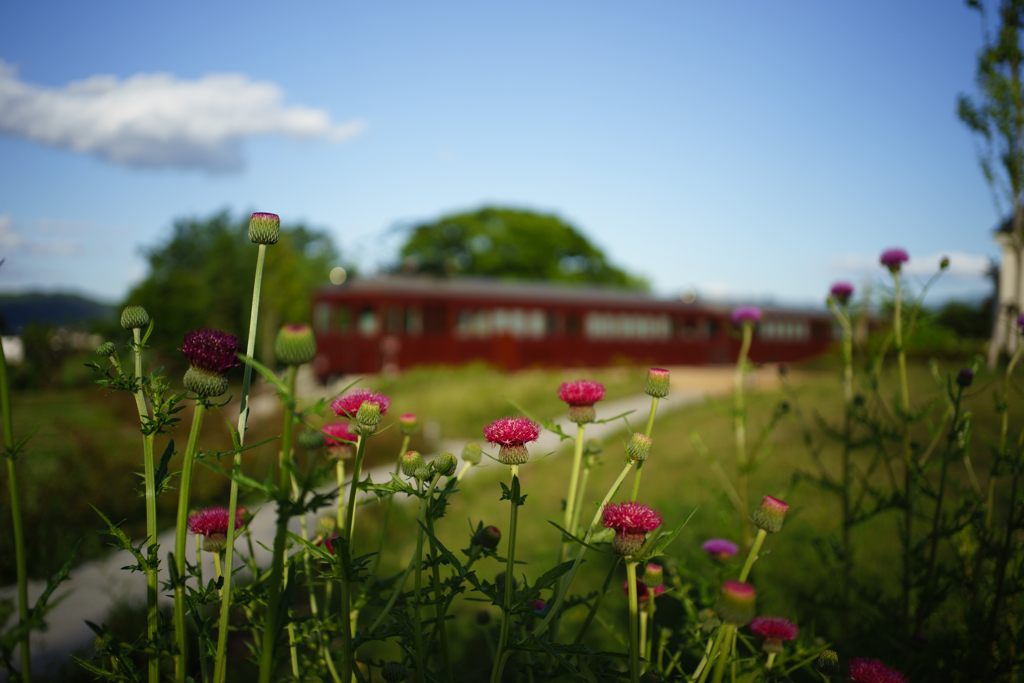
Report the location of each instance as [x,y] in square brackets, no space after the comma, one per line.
[594,447]
[134,317]
[393,672]
[105,349]
[214,543]
[368,415]
[944,263]
[472,453]
[736,603]
[489,537]
[325,527]
[965,378]
[311,440]
[499,581]
[638,448]
[264,228]
[770,515]
[654,575]
[203,383]
[710,625]
[411,462]
[445,463]
[657,383]
[422,473]
[295,345]
[407,424]
[828,663]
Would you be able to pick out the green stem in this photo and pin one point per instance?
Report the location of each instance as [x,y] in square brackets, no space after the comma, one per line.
[441,627]
[842,315]
[220,667]
[752,555]
[720,665]
[771,660]
[740,428]
[570,507]
[277,578]
[908,473]
[181,532]
[647,433]
[510,578]
[646,651]
[399,587]
[19,538]
[199,579]
[597,601]
[634,644]
[705,666]
[588,463]
[387,508]
[339,471]
[348,532]
[421,672]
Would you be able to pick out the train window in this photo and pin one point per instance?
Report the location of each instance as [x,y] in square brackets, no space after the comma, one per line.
[368,321]
[572,325]
[535,323]
[322,317]
[344,319]
[393,321]
[711,328]
[551,324]
[435,320]
[413,322]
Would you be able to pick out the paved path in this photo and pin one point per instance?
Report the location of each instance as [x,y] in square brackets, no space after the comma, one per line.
[96,586]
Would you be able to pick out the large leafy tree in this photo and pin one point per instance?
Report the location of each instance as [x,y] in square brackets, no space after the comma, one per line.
[202,276]
[996,117]
[512,244]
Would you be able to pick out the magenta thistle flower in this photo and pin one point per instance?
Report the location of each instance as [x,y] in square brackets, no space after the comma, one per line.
[210,354]
[737,602]
[893,259]
[631,521]
[657,384]
[643,593]
[348,405]
[842,291]
[770,515]
[720,548]
[581,396]
[214,521]
[537,604]
[407,424]
[512,434]
[873,671]
[746,315]
[339,437]
[774,630]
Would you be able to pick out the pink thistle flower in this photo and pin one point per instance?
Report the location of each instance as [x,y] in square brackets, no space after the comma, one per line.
[214,521]
[746,315]
[873,671]
[512,434]
[348,405]
[770,515]
[737,602]
[581,396]
[339,437]
[842,291]
[631,521]
[720,548]
[774,630]
[893,259]
[537,605]
[657,384]
[212,351]
[407,424]
[643,593]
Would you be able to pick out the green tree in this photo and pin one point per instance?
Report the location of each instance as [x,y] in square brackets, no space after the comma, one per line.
[513,244]
[997,119]
[201,276]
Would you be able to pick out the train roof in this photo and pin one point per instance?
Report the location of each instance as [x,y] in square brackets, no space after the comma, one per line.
[479,288]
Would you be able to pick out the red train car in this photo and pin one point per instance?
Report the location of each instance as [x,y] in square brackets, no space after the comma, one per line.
[369,325]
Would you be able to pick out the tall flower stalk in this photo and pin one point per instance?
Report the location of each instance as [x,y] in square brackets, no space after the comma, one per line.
[19,536]
[210,353]
[264,230]
[656,387]
[838,303]
[745,317]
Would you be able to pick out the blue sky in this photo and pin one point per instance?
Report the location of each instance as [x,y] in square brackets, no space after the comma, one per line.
[747,149]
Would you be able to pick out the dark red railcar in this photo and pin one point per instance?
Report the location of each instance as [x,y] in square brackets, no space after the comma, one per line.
[365,326]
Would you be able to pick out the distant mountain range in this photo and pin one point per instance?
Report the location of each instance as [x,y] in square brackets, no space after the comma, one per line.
[17,310]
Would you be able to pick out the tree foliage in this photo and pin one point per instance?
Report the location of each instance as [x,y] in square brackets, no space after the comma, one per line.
[202,276]
[512,244]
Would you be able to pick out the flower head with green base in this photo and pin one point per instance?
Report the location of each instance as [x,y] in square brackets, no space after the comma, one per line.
[407,424]
[295,345]
[827,663]
[411,463]
[746,315]
[643,592]
[134,318]
[631,522]
[770,515]
[873,671]
[842,291]
[893,259]
[774,630]
[657,384]
[512,434]
[349,404]
[720,549]
[581,396]
[638,447]
[210,354]
[737,602]
[212,525]
[488,537]
[264,228]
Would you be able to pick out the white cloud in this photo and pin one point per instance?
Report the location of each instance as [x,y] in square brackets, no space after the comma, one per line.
[962,265]
[13,241]
[159,121]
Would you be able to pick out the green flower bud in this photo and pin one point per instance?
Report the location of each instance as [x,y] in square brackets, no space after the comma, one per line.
[638,448]
[737,603]
[206,384]
[311,439]
[325,527]
[368,414]
[264,228]
[445,463]
[214,543]
[393,672]
[488,537]
[710,625]
[654,575]
[422,473]
[657,383]
[828,663]
[411,462]
[472,453]
[105,349]
[770,515]
[134,317]
[594,447]
[407,424]
[295,345]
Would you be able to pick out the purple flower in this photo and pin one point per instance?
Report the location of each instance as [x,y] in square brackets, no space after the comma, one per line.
[720,549]
[746,314]
[348,405]
[1020,321]
[212,351]
[842,291]
[893,259]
